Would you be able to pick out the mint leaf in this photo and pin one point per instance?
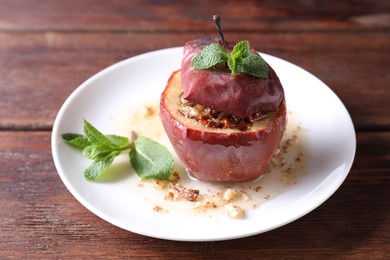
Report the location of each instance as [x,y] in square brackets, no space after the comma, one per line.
[98,167]
[151,159]
[210,56]
[240,50]
[94,135]
[119,141]
[98,151]
[256,66]
[235,66]
[76,140]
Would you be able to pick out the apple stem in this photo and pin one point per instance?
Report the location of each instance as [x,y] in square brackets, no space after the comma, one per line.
[217,21]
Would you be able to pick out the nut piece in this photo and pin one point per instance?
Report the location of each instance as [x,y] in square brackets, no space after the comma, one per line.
[230,195]
[245,197]
[160,184]
[205,204]
[234,211]
[178,191]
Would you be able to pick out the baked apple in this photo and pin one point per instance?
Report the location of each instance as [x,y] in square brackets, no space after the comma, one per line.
[224,111]
[215,146]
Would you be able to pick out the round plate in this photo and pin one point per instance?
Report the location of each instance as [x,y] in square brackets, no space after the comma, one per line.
[330,137]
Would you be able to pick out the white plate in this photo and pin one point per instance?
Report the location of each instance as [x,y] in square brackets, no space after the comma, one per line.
[330,136]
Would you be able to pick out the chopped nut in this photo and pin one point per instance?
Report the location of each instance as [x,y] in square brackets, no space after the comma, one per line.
[159,184]
[234,211]
[245,197]
[189,111]
[230,195]
[204,204]
[199,107]
[215,119]
[177,191]
[169,195]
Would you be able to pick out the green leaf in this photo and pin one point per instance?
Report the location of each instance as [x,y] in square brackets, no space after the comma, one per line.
[119,141]
[236,66]
[151,159]
[98,167]
[210,56]
[76,140]
[98,151]
[236,60]
[94,135]
[241,50]
[256,66]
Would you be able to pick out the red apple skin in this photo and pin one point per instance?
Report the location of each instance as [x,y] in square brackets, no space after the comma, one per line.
[219,156]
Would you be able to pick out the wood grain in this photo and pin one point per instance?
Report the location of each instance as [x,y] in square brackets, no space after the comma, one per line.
[182,16]
[48,48]
[40,218]
[35,66]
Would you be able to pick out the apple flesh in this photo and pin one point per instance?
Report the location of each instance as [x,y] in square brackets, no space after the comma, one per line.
[220,155]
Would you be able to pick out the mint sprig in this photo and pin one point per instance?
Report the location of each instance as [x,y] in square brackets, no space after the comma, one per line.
[148,158]
[240,60]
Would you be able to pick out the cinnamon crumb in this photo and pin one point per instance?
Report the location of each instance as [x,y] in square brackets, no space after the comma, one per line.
[175,176]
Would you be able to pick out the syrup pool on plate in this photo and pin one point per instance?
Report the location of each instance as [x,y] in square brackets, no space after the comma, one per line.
[185,195]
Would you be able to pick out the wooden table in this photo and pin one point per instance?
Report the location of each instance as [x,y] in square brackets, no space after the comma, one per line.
[48,48]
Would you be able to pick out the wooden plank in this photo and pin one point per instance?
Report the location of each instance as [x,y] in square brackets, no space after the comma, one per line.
[39,218]
[134,15]
[35,66]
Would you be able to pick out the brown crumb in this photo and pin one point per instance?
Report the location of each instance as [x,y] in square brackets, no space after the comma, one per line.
[160,184]
[148,111]
[205,204]
[157,208]
[175,176]
[178,191]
